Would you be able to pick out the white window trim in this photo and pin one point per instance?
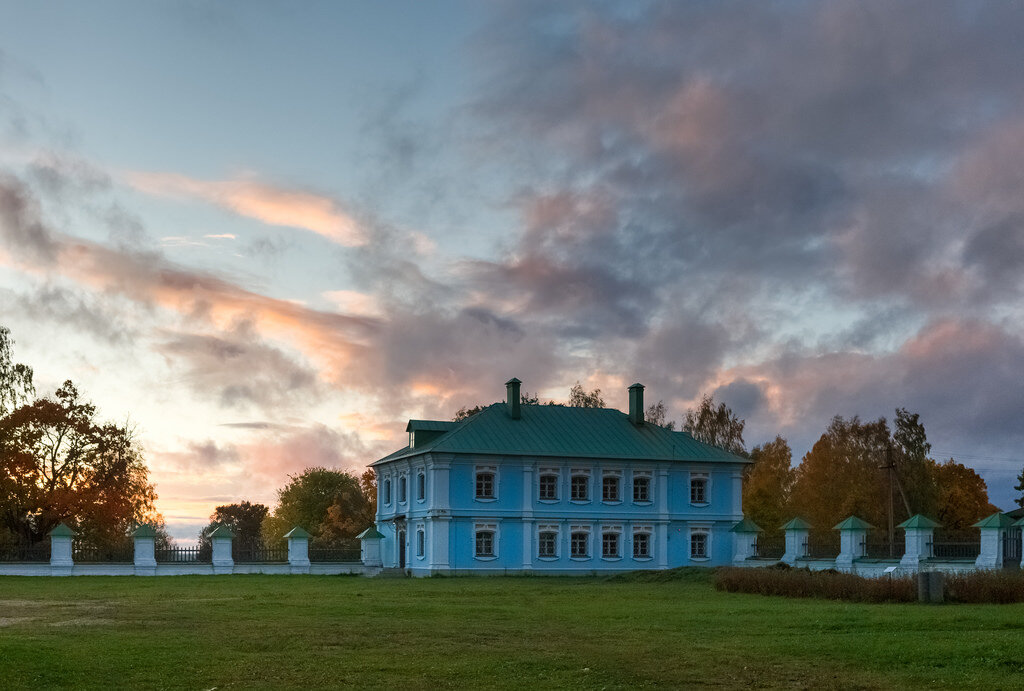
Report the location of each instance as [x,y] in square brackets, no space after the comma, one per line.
[582,472]
[707,488]
[550,528]
[611,530]
[421,530]
[557,472]
[699,529]
[590,541]
[493,470]
[650,487]
[649,532]
[617,474]
[493,528]
[421,472]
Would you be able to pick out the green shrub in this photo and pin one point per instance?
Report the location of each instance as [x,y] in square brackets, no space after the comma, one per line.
[998,587]
[831,584]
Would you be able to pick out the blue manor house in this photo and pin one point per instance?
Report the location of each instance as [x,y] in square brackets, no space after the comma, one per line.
[555,489]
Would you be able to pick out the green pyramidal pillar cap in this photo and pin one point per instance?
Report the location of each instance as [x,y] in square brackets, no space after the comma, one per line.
[144,531]
[996,520]
[918,522]
[297,532]
[853,523]
[62,530]
[746,526]
[370,533]
[222,531]
[797,524]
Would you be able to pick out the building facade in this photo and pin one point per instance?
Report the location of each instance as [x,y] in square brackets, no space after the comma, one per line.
[555,489]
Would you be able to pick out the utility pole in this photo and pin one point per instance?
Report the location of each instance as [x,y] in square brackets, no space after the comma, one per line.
[890,466]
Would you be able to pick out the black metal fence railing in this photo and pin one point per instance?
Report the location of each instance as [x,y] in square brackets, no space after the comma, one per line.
[770,546]
[881,548]
[821,546]
[183,555]
[27,552]
[85,553]
[342,552]
[257,552]
[954,549]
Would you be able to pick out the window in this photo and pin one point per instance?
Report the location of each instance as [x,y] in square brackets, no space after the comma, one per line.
[485,482]
[401,489]
[641,488]
[547,544]
[610,488]
[485,541]
[698,545]
[421,486]
[610,545]
[579,545]
[387,491]
[641,545]
[420,538]
[698,489]
[549,487]
[580,488]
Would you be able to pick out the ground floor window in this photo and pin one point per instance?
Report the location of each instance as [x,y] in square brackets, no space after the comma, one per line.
[485,543]
[547,544]
[610,545]
[420,539]
[698,545]
[641,545]
[579,545]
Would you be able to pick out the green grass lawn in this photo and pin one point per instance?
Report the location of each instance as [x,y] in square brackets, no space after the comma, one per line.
[298,631]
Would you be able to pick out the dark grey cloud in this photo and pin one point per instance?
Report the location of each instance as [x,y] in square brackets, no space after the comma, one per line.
[76,310]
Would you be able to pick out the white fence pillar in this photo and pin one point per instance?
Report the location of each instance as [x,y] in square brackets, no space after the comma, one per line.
[145,550]
[61,562]
[992,527]
[298,550]
[797,531]
[744,540]
[221,539]
[920,532]
[369,547]
[852,533]
[1020,524]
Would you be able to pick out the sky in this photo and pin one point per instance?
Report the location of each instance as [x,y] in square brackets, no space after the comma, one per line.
[267,234]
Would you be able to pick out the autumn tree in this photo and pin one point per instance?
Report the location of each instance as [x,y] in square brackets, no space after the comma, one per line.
[244,519]
[717,426]
[15,379]
[1020,488]
[579,398]
[767,484]
[962,496]
[332,505]
[656,414]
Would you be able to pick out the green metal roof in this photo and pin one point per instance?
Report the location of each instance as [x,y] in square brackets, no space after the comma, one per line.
[430,425]
[297,532]
[222,531]
[62,530]
[370,533]
[746,526]
[549,430]
[996,520]
[853,523]
[144,531]
[1020,522]
[919,521]
[797,524]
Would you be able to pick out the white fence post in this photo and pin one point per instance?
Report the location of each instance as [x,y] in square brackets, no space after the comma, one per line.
[920,532]
[220,539]
[852,533]
[298,550]
[145,550]
[797,531]
[744,540]
[1020,524]
[61,562]
[369,546]
[992,527]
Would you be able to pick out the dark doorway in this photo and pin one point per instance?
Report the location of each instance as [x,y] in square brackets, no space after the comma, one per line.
[1011,548]
[401,549]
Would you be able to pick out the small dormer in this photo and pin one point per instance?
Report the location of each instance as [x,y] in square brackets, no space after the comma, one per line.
[422,432]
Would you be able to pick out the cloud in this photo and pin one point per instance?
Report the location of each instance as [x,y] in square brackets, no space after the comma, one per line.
[267,203]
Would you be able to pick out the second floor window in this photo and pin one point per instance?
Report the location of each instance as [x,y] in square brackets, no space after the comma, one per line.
[641,488]
[580,487]
[546,544]
[401,489]
[387,491]
[698,490]
[610,488]
[485,485]
[549,487]
[421,486]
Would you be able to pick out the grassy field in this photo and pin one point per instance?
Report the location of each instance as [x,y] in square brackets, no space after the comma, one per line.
[298,631]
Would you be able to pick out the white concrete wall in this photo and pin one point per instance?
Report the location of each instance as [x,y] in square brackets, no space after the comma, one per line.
[44,569]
